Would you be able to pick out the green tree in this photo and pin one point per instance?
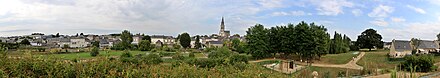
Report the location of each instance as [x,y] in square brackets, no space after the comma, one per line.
[415,45]
[25,42]
[146,37]
[311,40]
[144,45]
[198,45]
[95,44]
[126,39]
[3,51]
[185,40]
[235,43]
[95,51]
[369,39]
[257,41]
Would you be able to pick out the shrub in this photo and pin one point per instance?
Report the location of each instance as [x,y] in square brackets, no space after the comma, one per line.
[220,53]
[2,74]
[192,55]
[167,53]
[126,54]
[95,51]
[423,63]
[178,56]
[152,59]
[238,59]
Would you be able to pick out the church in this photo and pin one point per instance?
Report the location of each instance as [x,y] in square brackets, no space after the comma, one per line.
[217,40]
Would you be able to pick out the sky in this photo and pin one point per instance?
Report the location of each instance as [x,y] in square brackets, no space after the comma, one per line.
[393,19]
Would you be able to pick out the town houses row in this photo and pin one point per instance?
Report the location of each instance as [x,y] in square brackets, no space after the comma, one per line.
[82,41]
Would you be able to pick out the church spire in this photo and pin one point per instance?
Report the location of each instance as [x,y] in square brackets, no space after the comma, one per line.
[222,28]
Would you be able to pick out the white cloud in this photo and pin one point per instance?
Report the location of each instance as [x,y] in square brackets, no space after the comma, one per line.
[356,12]
[418,10]
[292,13]
[379,22]
[396,19]
[381,11]
[168,17]
[331,7]
[426,31]
[271,3]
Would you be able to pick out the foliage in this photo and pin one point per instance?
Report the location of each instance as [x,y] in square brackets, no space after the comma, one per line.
[95,44]
[220,53]
[415,44]
[126,54]
[126,39]
[198,45]
[258,41]
[95,51]
[235,44]
[146,37]
[66,46]
[178,56]
[185,40]
[339,44]
[176,46]
[144,45]
[369,39]
[192,55]
[3,51]
[167,53]
[25,42]
[423,63]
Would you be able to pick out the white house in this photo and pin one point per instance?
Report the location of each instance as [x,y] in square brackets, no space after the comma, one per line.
[166,40]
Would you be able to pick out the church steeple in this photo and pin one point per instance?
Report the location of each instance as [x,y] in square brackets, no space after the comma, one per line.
[222,28]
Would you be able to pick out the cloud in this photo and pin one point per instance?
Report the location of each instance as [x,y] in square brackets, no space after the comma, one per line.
[271,3]
[425,31]
[418,10]
[381,11]
[356,12]
[396,19]
[292,13]
[331,7]
[168,17]
[379,22]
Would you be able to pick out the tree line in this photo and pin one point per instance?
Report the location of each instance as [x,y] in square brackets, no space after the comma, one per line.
[303,39]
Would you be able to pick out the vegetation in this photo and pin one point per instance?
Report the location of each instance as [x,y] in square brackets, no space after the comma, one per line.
[326,72]
[423,63]
[185,40]
[144,45]
[342,58]
[198,45]
[95,51]
[339,44]
[25,42]
[95,44]
[369,39]
[126,39]
[307,40]
[378,60]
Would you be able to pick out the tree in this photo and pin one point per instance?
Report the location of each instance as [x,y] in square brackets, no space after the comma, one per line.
[311,40]
[25,42]
[198,45]
[146,37]
[57,35]
[438,36]
[415,43]
[258,41]
[126,39]
[95,44]
[144,45]
[369,39]
[185,40]
[3,51]
[235,43]
[95,51]
[339,44]
[81,34]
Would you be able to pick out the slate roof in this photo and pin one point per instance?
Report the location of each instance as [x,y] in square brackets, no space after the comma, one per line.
[402,45]
[428,44]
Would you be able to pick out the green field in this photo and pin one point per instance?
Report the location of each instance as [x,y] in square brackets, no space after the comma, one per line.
[342,58]
[377,60]
[86,55]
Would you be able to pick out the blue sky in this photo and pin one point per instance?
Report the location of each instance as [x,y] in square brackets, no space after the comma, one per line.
[394,19]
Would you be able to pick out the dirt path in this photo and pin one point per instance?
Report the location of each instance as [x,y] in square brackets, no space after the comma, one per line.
[350,65]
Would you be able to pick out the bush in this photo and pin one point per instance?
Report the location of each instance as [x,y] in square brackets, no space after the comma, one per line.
[126,54]
[220,53]
[167,53]
[95,51]
[423,63]
[192,55]
[178,56]
[238,59]
[152,59]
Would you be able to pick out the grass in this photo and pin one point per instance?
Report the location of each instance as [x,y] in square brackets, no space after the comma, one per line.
[331,72]
[266,62]
[86,55]
[377,60]
[342,58]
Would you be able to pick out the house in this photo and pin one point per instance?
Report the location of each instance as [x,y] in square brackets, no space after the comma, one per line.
[166,40]
[427,46]
[104,43]
[63,41]
[400,48]
[136,39]
[79,42]
[214,43]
